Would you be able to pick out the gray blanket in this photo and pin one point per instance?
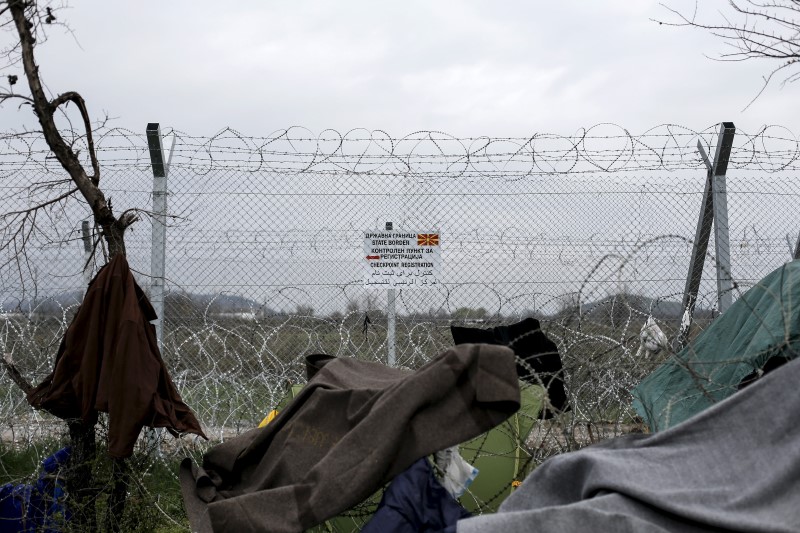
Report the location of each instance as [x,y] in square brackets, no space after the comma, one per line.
[355,426]
[733,467]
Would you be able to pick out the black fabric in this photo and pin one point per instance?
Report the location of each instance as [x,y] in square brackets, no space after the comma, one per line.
[415,502]
[315,362]
[771,364]
[530,345]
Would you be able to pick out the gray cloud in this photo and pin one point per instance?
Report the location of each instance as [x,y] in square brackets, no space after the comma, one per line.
[467,67]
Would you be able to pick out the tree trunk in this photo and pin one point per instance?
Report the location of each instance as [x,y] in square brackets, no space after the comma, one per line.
[79,481]
[119,493]
[114,234]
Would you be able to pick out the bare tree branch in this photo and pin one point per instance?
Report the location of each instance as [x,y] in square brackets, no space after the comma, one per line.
[113,229]
[44,204]
[29,23]
[15,375]
[72,96]
[9,96]
[762,30]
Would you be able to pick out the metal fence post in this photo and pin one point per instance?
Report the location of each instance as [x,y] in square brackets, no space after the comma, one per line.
[391,319]
[87,252]
[721,234]
[796,254]
[160,166]
[713,193]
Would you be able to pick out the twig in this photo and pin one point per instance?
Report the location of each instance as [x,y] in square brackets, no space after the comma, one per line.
[15,374]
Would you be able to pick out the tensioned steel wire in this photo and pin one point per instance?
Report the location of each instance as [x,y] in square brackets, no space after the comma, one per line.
[591,233]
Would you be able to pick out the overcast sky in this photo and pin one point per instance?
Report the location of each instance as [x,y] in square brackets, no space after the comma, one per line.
[469,68]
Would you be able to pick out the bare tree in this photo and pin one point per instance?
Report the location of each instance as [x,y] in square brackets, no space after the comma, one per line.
[27,21]
[752,30]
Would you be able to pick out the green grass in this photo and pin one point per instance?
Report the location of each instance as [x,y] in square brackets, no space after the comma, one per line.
[22,464]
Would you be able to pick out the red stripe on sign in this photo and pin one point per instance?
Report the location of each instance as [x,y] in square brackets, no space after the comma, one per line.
[370,257]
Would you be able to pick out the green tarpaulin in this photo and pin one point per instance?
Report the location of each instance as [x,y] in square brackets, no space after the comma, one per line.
[501,455]
[763,323]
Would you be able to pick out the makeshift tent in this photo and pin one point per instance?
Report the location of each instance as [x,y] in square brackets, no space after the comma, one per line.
[764,323]
[500,455]
[733,467]
[353,428]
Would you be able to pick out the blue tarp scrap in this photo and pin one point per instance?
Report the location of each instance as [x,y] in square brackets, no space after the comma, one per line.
[38,507]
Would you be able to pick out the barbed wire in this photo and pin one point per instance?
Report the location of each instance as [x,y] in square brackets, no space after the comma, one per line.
[599,149]
[590,233]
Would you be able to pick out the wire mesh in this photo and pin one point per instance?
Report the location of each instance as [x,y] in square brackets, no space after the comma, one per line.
[590,233]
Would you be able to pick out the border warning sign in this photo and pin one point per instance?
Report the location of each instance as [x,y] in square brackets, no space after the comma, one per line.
[402,259]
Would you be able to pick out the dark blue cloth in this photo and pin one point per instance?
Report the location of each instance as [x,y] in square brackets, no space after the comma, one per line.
[414,502]
[37,507]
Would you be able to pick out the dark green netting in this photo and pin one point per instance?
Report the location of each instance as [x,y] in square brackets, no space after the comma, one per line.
[763,323]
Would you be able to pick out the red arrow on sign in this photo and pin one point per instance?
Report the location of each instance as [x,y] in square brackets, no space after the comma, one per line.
[370,257]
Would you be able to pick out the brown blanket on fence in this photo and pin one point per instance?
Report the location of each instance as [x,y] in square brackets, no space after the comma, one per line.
[354,427]
[109,361]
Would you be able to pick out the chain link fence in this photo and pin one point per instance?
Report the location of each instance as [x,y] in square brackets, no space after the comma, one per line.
[590,233]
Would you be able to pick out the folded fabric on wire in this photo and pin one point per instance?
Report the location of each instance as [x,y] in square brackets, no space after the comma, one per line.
[355,426]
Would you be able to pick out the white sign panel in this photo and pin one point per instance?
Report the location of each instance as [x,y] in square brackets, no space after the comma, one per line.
[402,259]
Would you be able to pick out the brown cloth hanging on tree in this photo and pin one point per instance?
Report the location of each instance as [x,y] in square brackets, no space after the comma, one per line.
[109,361]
